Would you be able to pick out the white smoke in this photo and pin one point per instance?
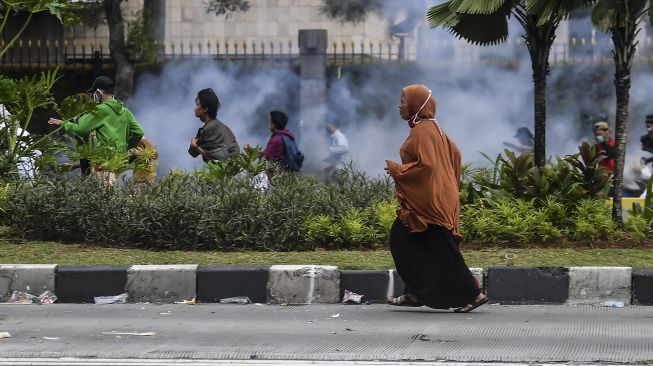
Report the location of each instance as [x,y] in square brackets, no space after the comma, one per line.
[480,104]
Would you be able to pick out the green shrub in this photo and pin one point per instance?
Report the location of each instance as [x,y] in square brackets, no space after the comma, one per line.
[512,220]
[638,228]
[204,211]
[593,222]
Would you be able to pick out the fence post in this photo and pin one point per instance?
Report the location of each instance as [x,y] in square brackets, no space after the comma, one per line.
[97,62]
[20,54]
[47,53]
[312,86]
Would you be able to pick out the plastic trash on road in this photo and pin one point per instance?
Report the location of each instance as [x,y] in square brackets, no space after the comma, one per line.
[614,304]
[351,298]
[19,297]
[5,335]
[47,298]
[236,300]
[187,302]
[118,299]
[144,334]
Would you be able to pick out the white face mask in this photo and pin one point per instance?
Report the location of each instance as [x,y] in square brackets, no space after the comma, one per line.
[97,96]
[422,107]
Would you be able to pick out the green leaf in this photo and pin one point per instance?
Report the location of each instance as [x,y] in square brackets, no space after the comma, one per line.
[441,15]
[477,7]
[482,30]
[609,14]
[76,105]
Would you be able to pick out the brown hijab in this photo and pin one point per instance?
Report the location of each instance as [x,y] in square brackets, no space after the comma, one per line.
[415,97]
[427,179]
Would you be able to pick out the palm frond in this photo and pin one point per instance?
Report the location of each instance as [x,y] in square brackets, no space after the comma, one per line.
[609,14]
[476,6]
[546,10]
[441,15]
[483,30]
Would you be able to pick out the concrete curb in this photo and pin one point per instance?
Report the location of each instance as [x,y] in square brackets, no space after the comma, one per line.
[643,287]
[219,282]
[165,283]
[308,284]
[594,285]
[528,285]
[298,284]
[81,284]
[19,277]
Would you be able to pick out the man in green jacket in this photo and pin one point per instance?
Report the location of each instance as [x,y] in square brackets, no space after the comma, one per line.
[112,122]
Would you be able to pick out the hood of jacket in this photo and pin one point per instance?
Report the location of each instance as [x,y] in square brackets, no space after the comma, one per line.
[115,105]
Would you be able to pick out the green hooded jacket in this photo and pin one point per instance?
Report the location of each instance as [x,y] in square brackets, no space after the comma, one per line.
[112,123]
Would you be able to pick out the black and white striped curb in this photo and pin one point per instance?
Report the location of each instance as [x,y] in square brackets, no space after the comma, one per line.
[306,284]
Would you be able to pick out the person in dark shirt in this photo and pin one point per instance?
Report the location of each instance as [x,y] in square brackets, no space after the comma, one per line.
[275,150]
[214,141]
[605,146]
[647,140]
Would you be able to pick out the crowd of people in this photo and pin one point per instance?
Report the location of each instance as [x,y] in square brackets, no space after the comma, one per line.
[425,235]
[113,124]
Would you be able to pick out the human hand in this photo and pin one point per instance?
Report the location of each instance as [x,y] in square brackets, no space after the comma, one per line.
[248,147]
[193,142]
[387,168]
[54,121]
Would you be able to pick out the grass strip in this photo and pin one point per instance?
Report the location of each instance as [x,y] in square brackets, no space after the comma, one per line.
[35,252]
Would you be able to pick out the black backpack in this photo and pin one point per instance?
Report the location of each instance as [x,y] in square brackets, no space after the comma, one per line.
[294,158]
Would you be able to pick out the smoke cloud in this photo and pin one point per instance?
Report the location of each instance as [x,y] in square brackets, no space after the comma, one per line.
[480,105]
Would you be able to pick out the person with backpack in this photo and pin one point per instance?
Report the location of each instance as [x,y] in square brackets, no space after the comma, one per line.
[281,148]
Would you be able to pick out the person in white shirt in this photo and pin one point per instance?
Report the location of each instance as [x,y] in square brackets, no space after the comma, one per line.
[26,165]
[338,150]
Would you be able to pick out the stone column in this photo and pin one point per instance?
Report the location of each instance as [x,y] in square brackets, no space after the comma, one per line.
[312,94]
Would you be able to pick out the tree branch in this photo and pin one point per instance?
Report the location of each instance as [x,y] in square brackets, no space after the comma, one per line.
[13,40]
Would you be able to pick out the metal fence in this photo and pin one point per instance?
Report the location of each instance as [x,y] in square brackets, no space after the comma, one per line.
[39,53]
[79,53]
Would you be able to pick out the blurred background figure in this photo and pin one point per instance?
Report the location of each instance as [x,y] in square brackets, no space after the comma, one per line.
[338,150]
[525,138]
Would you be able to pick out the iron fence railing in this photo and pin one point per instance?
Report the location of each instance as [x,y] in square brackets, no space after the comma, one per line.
[40,53]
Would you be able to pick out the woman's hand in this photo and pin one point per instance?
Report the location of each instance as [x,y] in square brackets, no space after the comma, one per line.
[388,168]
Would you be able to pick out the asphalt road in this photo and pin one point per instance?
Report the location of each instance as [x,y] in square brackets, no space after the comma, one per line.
[495,333]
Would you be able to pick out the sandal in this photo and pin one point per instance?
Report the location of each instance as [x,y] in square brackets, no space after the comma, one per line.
[404,300]
[472,305]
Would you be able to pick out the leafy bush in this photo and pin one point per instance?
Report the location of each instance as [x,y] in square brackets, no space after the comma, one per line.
[569,180]
[593,222]
[200,211]
[508,220]
[638,228]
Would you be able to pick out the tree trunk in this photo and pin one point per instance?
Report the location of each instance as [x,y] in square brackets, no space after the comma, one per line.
[539,41]
[623,39]
[622,85]
[156,9]
[539,101]
[124,69]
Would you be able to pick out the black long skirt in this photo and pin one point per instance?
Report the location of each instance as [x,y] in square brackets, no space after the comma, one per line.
[432,267]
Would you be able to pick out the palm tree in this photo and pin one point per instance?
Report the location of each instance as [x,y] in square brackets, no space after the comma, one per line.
[486,23]
[622,19]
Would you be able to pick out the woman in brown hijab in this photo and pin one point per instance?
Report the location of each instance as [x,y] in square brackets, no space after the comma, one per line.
[424,237]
